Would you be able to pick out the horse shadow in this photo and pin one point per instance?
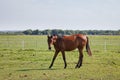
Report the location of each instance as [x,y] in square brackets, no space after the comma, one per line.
[42,69]
[33,69]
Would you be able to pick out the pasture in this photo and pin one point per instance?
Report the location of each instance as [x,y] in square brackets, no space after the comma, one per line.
[28,58]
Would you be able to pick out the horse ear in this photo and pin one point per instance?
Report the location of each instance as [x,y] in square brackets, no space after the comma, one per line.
[48,36]
[51,36]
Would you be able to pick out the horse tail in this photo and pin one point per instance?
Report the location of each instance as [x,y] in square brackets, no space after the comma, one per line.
[88,47]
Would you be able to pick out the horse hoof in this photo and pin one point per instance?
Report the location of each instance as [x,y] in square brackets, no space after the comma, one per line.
[50,67]
[79,66]
[64,67]
[76,66]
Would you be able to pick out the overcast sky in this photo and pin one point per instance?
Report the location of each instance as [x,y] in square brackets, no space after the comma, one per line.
[60,14]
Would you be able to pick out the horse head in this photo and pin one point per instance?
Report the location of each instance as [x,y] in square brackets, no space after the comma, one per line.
[51,40]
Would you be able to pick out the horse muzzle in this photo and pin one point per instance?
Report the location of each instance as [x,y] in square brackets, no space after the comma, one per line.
[49,48]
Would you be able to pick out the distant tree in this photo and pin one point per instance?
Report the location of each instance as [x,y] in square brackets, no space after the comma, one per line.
[28,32]
[67,32]
[61,32]
[35,32]
[46,32]
[54,31]
[118,32]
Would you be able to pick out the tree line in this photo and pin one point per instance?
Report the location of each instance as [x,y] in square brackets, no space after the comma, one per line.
[61,32]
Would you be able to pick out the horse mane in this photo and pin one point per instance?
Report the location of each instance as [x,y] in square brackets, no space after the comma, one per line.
[58,35]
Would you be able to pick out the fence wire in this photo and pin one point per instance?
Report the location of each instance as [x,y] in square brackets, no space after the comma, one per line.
[104,45]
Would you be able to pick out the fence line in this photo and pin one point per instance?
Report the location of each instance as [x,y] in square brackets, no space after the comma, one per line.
[36,44]
[106,44]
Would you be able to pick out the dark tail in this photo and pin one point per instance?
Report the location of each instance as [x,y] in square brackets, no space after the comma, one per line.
[88,48]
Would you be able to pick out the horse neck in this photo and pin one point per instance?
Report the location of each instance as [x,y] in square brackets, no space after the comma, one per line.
[58,42]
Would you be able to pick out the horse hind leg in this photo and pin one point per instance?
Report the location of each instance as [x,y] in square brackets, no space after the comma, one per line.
[80,61]
[79,64]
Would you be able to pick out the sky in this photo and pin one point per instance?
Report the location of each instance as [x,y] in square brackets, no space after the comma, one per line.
[60,14]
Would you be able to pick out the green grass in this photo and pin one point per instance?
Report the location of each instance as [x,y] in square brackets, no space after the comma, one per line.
[32,62]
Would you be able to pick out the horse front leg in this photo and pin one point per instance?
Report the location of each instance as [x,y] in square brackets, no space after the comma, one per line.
[64,59]
[54,57]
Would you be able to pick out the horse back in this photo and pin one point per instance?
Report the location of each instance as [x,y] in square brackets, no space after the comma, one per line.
[68,43]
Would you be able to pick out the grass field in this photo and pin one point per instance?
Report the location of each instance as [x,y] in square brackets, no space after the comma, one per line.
[28,58]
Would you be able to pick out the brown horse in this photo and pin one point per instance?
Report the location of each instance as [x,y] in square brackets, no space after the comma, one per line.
[69,43]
